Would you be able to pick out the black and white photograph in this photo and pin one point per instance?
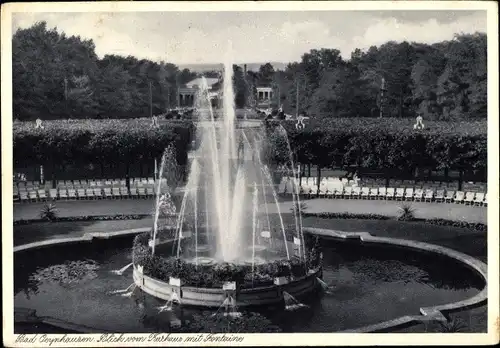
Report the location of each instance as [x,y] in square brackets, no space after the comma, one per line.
[189,173]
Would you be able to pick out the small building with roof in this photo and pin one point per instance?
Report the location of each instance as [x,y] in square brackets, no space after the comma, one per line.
[186,94]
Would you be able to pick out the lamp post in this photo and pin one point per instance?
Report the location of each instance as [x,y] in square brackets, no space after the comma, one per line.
[382,89]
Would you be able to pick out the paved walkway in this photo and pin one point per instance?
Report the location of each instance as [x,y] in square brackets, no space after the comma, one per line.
[389,208]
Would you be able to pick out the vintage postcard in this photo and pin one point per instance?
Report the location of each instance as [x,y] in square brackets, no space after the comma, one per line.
[250,173]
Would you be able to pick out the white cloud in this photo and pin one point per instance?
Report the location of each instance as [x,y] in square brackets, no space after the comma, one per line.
[185,39]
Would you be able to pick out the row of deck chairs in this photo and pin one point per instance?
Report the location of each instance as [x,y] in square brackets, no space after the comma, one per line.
[92,189]
[89,193]
[76,184]
[332,189]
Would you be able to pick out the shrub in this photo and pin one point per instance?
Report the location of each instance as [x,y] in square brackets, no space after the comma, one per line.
[299,208]
[406,212]
[454,325]
[48,212]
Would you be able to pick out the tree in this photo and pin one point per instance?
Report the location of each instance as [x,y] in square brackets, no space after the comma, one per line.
[265,75]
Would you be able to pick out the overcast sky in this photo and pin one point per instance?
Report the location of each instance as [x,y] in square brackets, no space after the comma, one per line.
[202,37]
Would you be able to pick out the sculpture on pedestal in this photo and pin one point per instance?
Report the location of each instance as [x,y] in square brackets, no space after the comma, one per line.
[420,123]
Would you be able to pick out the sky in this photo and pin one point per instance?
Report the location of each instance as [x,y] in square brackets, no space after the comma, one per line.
[279,36]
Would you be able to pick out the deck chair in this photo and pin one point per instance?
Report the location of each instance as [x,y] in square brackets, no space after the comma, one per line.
[63,193]
[281,187]
[400,194]
[72,194]
[150,192]
[409,194]
[291,186]
[469,198]
[450,196]
[485,202]
[439,197]
[356,192]
[330,188]
[124,192]
[314,190]
[348,192]
[429,195]
[116,192]
[382,192]
[81,193]
[365,192]
[459,197]
[89,192]
[23,196]
[419,195]
[151,181]
[304,188]
[134,193]
[479,199]
[142,192]
[373,193]
[98,193]
[123,182]
[15,194]
[323,189]
[32,196]
[92,183]
[390,192]
[107,192]
[108,183]
[98,183]
[338,192]
[42,195]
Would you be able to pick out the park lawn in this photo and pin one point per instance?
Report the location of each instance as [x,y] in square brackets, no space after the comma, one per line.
[24,234]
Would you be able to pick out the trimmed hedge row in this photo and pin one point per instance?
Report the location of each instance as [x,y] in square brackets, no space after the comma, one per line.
[382,144]
[101,141]
[210,276]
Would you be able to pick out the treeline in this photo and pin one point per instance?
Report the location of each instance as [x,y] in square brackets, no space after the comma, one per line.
[58,76]
[443,81]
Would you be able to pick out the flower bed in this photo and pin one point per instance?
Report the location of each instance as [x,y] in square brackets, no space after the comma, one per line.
[477,226]
[85,218]
[213,276]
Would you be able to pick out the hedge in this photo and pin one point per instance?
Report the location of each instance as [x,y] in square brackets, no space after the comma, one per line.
[387,144]
[84,218]
[477,226]
[101,141]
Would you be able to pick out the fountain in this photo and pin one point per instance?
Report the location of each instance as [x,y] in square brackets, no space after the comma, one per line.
[220,229]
